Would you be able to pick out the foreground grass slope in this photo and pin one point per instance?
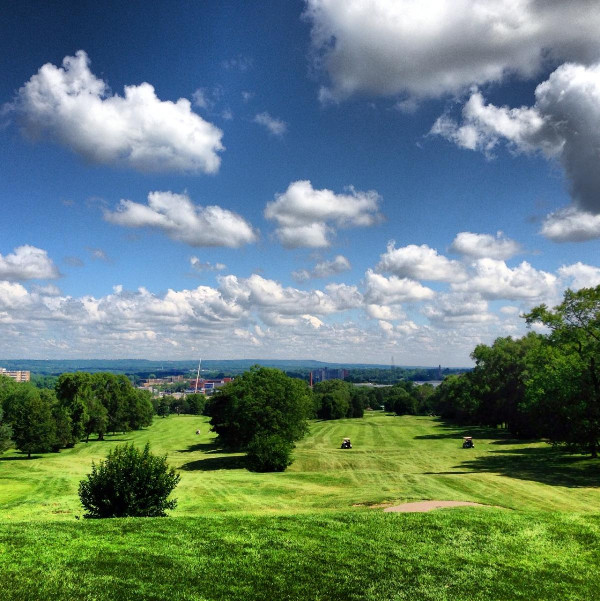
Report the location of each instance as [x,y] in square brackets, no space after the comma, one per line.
[394,459]
[468,554]
[311,532]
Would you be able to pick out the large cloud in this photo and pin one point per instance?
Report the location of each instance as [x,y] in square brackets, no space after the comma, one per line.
[493,279]
[180,219]
[480,246]
[305,216]
[579,275]
[70,105]
[420,262]
[571,225]
[433,47]
[28,263]
[563,123]
[454,309]
[393,290]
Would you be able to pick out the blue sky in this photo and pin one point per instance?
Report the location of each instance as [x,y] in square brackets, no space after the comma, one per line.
[338,180]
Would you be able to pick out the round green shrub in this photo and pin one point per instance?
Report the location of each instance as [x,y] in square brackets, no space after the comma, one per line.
[129,483]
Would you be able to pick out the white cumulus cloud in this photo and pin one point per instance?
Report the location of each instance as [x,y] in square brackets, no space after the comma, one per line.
[70,105]
[493,279]
[571,225]
[181,220]
[420,262]
[27,263]
[306,216]
[380,290]
[579,275]
[479,246]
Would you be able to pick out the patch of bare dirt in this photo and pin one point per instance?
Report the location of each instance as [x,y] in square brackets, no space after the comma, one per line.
[429,505]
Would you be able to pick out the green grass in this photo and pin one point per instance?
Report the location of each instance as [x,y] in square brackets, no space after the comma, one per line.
[466,553]
[394,459]
[310,532]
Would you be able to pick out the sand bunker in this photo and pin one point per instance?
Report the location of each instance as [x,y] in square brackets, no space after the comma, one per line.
[429,505]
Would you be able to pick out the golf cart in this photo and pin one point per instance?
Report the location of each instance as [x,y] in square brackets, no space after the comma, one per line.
[346,444]
[468,442]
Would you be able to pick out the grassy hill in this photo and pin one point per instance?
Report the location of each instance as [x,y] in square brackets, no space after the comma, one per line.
[312,532]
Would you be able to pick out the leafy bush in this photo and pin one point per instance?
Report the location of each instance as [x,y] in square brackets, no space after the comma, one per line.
[269,454]
[129,483]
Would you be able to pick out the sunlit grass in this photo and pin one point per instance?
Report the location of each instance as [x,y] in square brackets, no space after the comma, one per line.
[394,459]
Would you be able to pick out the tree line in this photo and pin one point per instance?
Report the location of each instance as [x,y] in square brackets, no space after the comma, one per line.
[541,385]
[81,405]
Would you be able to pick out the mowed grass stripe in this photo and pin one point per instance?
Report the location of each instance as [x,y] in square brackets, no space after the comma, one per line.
[394,459]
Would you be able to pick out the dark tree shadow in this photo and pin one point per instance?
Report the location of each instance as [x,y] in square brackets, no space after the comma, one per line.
[203,447]
[445,429]
[21,458]
[541,464]
[211,464]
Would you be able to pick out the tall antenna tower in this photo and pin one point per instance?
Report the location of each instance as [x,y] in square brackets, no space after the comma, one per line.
[393,366]
[198,375]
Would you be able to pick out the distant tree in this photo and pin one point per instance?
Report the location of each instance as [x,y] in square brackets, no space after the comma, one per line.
[63,434]
[261,402]
[332,399]
[129,483]
[74,391]
[499,382]
[454,399]
[96,419]
[34,429]
[5,432]
[196,403]
[164,406]
[112,392]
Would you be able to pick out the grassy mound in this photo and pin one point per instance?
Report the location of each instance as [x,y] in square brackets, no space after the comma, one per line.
[311,532]
[466,553]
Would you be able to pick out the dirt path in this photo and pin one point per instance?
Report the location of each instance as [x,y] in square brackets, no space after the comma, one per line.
[429,505]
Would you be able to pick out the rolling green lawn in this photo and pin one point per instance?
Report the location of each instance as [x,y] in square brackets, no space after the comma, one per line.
[312,532]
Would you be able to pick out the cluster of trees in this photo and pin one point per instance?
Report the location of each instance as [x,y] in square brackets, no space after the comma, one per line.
[335,399]
[192,404]
[540,385]
[82,404]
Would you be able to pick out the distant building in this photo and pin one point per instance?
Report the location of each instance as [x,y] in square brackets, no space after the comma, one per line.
[207,387]
[17,376]
[327,373]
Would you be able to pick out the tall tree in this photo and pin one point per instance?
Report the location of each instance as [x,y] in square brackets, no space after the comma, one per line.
[5,432]
[260,403]
[74,391]
[570,382]
[33,426]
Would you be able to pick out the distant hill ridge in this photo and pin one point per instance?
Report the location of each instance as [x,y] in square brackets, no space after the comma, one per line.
[55,366]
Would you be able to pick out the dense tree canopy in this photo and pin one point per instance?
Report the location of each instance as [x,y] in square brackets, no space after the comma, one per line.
[566,381]
[261,402]
[539,385]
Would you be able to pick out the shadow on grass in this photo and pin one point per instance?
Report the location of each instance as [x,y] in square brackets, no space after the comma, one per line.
[446,429]
[202,447]
[546,465]
[21,458]
[211,464]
